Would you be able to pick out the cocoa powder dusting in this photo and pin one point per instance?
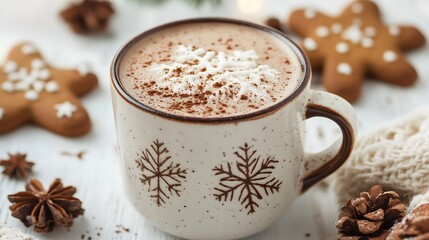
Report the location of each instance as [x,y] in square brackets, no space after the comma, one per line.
[220,97]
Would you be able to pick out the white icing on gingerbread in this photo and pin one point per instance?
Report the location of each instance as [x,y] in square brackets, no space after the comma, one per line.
[309,13]
[65,109]
[52,87]
[2,112]
[44,74]
[370,31]
[367,42]
[322,31]
[31,82]
[38,86]
[23,73]
[37,64]
[336,28]
[13,76]
[353,34]
[357,8]
[83,70]
[394,30]
[10,67]
[390,56]
[345,69]
[31,95]
[7,87]
[310,44]
[342,48]
[28,49]
[22,86]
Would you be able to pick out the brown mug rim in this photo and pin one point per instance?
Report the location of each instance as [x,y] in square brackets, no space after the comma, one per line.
[120,89]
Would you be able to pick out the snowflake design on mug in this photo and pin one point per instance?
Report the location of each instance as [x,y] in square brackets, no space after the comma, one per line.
[249,177]
[162,176]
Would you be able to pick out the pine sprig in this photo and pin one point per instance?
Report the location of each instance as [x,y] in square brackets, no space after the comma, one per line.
[198,3]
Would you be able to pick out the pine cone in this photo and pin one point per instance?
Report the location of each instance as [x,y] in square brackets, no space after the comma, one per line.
[88,16]
[276,24]
[414,226]
[371,215]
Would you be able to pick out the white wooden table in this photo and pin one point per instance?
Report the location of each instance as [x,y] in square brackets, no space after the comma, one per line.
[97,175]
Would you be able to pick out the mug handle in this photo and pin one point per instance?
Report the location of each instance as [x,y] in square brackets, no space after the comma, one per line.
[319,166]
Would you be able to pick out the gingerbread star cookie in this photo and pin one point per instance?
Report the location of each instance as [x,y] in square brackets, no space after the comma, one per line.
[355,44]
[32,91]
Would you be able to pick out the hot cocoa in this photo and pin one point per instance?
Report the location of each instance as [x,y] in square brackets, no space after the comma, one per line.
[210,70]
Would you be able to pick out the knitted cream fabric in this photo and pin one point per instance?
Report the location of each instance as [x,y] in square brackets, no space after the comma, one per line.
[9,233]
[395,155]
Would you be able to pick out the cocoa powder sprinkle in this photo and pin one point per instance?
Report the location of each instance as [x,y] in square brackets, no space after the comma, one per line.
[219,97]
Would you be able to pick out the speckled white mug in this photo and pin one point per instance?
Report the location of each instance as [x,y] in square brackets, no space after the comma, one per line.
[227,177]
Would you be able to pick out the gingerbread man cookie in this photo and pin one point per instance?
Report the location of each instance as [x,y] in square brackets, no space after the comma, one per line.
[32,91]
[354,44]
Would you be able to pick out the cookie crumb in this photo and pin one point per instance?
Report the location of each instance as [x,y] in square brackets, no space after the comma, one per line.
[79,155]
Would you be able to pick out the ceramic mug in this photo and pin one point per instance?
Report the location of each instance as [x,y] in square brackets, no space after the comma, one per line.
[226,177]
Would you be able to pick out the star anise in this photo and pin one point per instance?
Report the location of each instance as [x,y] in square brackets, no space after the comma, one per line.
[16,165]
[88,16]
[46,208]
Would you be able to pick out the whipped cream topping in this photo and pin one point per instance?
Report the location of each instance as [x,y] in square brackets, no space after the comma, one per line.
[235,75]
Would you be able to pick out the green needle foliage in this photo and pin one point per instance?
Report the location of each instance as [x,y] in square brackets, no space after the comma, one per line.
[197,3]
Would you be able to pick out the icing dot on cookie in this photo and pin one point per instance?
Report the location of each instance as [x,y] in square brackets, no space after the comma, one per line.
[344,68]
[52,87]
[336,28]
[367,43]
[38,86]
[37,63]
[1,113]
[309,13]
[22,86]
[65,109]
[31,95]
[22,73]
[390,56]
[370,31]
[28,78]
[7,87]
[32,82]
[28,49]
[310,44]
[353,34]
[13,76]
[44,74]
[10,67]
[342,48]
[357,8]
[83,70]
[394,30]
[322,31]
